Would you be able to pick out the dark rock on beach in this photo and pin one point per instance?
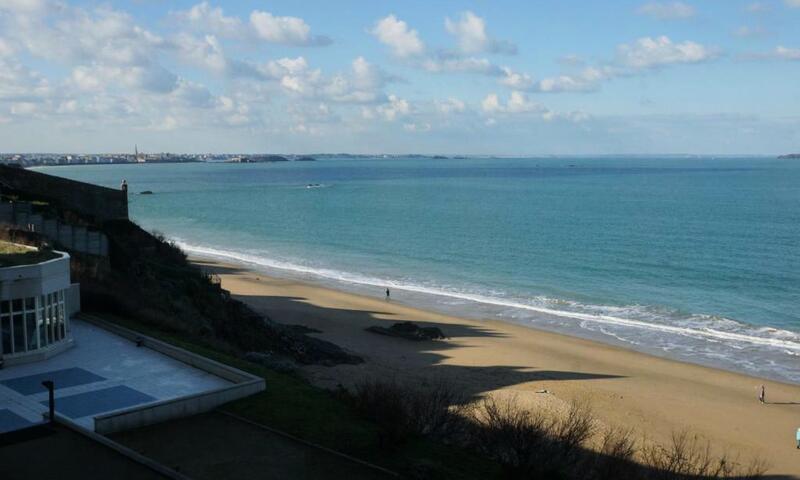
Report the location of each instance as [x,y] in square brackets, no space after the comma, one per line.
[409,331]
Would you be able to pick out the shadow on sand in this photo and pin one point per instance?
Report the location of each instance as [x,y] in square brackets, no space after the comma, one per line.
[407,359]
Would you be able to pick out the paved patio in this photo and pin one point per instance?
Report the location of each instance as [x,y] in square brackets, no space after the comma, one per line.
[102,373]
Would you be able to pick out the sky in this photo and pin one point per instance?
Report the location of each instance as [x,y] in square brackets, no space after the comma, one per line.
[469,77]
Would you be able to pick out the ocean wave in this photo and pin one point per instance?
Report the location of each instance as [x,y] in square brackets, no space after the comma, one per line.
[698,326]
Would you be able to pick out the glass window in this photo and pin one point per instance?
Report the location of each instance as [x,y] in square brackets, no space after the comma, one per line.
[16,304]
[18,329]
[30,325]
[5,332]
[5,306]
[61,322]
[42,334]
[50,322]
[29,303]
[56,323]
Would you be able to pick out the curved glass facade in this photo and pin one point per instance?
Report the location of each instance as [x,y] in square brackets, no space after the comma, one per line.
[32,323]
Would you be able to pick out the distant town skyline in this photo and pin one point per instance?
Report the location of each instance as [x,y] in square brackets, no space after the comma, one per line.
[504,78]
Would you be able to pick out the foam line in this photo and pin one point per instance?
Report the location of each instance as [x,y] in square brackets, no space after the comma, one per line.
[708,333]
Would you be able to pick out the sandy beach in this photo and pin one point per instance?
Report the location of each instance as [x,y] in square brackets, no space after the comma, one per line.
[652,395]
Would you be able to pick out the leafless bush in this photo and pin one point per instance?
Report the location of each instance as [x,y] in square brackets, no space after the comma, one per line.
[402,411]
[572,431]
[689,456]
[437,409]
[513,436]
[614,457]
[530,443]
[538,443]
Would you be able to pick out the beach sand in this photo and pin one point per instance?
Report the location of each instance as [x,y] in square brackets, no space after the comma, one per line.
[652,395]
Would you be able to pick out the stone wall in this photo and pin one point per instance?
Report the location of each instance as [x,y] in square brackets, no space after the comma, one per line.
[93,202]
[70,237]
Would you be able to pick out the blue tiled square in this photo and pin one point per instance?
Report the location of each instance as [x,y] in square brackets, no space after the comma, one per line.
[68,377]
[11,421]
[100,401]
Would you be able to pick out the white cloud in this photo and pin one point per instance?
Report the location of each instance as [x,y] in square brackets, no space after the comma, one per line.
[260,26]
[284,30]
[405,43]
[449,106]
[650,52]
[151,78]
[210,19]
[6,50]
[470,32]
[396,34]
[586,80]
[395,107]
[643,54]
[667,11]
[417,127]
[23,108]
[449,64]
[787,53]
[203,52]
[23,6]
[516,80]
[517,102]
[363,84]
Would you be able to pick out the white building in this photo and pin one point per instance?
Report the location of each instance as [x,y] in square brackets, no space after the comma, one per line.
[36,301]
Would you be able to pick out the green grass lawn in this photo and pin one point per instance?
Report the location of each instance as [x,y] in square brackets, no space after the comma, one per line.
[294,406]
[12,254]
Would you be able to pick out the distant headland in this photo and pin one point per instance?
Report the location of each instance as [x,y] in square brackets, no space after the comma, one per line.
[795,156]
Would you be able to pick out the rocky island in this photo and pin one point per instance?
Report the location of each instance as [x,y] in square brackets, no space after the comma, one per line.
[258,159]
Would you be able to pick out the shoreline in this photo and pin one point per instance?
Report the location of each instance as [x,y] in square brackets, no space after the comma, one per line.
[653,395]
[745,352]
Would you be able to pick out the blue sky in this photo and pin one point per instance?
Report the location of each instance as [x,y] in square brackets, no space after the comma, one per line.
[500,77]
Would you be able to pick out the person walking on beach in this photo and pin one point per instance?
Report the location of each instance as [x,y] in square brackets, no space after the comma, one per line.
[387,294]
[762,394]
[798,437]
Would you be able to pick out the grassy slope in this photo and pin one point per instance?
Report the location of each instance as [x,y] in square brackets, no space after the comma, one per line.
[292,405]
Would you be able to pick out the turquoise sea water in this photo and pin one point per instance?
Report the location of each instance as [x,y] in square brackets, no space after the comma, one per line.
[691,258]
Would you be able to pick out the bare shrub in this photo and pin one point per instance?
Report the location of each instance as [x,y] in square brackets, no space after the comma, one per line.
[402,411]
[509,434]
[531,443]
[690,456]
[437,409]
[572,431]
[615,456]
[537,443]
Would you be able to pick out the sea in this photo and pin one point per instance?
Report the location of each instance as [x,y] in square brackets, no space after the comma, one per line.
[691,258]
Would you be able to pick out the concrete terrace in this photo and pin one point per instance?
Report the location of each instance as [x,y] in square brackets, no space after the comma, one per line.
[102,373]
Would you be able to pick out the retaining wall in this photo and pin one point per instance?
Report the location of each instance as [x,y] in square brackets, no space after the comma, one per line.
[70,237]
[92,201]
[243,385]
